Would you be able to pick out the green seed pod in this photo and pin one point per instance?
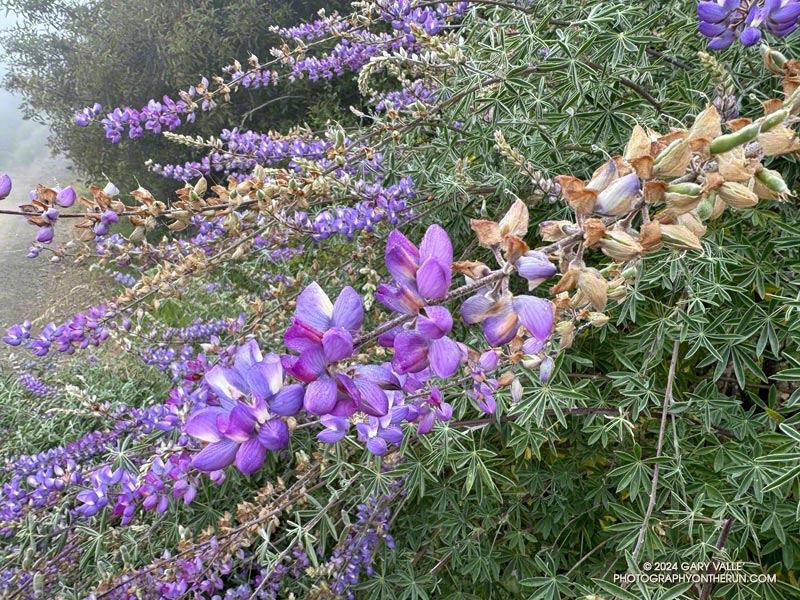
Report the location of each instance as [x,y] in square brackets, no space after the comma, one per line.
[774,119]
[773,60]
[727,142]
[773,181]
[687,189]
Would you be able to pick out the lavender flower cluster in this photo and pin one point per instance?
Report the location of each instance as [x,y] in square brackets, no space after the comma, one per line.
[348,55]
[725,21]
[356,553]
[79,332]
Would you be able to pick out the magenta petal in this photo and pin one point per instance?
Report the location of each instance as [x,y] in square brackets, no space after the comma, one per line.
[226,383]
[203,424]
[246,356]
[320,396]
[250,456]
[402,257]
[345,406]
[476,309]
[410,352]
[265,378]
[337,344]
[215,456]
[274,435]
[239,425]
[348,311]
[435,323]
[433,278]
[444,411]
[310,364]
[445,356]
[288,401]
[436,244]
[536,314]
[314,307]
[301,336]
[373,399]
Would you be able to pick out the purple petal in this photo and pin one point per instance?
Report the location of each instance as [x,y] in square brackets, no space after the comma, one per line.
[750,36]
[426,423]
[215,456]
[402,301]
[310,364]
[410,352]
[433,278]
[372,399]
[203,424]
[377,445]
[435,323]
[712,29]
[379,375]
[5,186]
[348,311]
[533,345]
[239,425]
[300,336]
[535,267]
[246,356]
[330,436]
[502,328]
[288,401]
[314,307]
[402,257]
[436,244]
[723,41]
[337,343]
[392,434]
[320,396]
[712,12]
[445,356]
[226,383]
[274,435]
[536,314]
[266,377]
[250,456]
[66,197]
[444,411]
[476,309]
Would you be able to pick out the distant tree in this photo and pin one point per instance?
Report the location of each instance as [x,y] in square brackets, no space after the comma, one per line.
[64,55]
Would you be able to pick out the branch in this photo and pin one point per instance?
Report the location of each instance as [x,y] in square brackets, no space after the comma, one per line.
[712,568]
[664,409]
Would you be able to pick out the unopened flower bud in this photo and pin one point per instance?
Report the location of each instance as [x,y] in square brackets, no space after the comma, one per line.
[546,369]
[5,186]
[516,390]
[603,177]
[617,199]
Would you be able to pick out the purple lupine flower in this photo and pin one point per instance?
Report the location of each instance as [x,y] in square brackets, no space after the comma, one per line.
[725,21]
[419,274]
[500,318]
[428,345]
[5,186]
[246,424]
[379,432]
[430,410]
[66,197]
[535,267]
[335,429]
